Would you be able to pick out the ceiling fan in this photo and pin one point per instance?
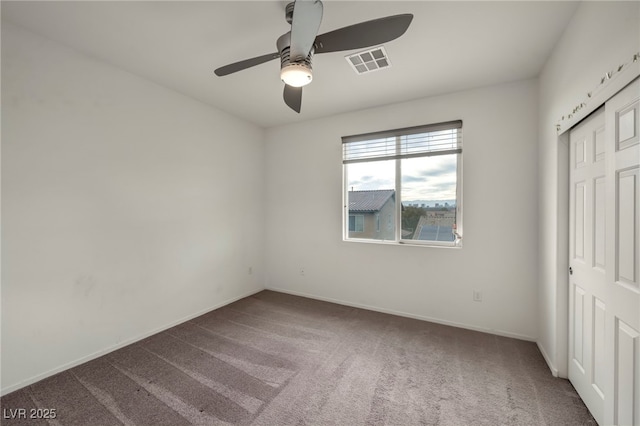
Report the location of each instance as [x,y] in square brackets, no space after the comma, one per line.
[297,47]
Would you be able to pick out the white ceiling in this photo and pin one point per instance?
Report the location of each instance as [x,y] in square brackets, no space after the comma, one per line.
[450,46]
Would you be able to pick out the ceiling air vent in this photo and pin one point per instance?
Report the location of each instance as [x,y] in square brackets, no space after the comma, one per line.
[369,60]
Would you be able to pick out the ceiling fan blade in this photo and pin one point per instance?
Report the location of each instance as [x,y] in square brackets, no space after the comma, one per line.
[293,97]
[247,63]
[307,15]
[364,34]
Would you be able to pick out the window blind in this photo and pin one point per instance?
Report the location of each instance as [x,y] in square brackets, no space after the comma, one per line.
[419,141]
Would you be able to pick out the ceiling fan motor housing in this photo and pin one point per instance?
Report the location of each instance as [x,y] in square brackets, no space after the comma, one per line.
[288,12]
[295,73]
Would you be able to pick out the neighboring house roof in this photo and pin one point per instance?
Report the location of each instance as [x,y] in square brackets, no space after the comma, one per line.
[369,201]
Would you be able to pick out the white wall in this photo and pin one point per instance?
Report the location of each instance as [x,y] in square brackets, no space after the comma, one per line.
[126,207]
[499,257]
[601,36]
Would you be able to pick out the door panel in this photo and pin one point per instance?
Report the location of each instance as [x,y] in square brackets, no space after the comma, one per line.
[588,308]
[626,126]
[579,220]
[622,358]
[598,366]
[578,327]
[599,223]
[627,215]
[599,146]
[626,375]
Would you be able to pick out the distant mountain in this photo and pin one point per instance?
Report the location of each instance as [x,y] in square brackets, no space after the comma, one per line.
[429,203]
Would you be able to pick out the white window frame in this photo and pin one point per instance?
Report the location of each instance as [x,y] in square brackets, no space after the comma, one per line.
[457,243]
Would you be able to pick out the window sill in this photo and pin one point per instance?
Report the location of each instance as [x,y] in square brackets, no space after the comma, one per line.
[431,244]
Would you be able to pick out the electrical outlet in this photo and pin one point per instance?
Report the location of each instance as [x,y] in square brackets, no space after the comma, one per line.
[477,296]
[250,270]
[301,271]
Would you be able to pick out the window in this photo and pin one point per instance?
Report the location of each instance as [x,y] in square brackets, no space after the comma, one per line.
[356,223]
[412,178]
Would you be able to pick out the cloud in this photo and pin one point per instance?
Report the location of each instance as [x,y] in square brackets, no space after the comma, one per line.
[442,186]
[443,173]
[413,179]
[370,184]
[444,168]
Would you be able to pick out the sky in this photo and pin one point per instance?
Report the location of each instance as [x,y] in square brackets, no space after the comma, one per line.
[423,178]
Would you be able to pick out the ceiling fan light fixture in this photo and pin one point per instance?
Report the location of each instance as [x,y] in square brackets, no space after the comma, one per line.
[296,74]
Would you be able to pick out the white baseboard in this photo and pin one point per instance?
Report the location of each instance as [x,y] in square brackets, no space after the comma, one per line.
[550,364]
[405,314]
[109,349]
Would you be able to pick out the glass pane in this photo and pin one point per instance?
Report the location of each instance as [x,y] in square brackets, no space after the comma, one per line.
[429,198]
[371,199]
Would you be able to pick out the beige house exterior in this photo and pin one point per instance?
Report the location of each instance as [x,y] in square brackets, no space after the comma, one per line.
[372,214]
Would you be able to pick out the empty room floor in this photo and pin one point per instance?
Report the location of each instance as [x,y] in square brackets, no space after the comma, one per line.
[277,359]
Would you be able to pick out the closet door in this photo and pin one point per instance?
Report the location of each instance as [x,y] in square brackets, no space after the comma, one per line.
[588,262]
[623,281]
[604,310]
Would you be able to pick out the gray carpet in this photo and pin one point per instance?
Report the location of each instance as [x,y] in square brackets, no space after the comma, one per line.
[276,359]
